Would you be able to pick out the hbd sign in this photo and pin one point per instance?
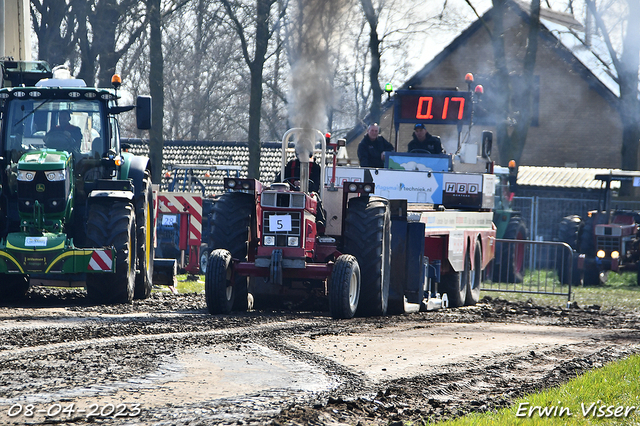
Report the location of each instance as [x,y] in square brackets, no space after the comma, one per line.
[458,188]
[464,190]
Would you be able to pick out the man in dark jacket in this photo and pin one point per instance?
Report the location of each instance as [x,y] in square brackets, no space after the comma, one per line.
[372,148]
[292,173]
[425,141]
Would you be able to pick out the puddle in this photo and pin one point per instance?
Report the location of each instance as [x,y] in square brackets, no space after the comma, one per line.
[250,377]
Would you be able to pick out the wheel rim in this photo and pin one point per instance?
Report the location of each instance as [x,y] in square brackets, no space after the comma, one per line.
[229,289]
[229,292]
[353,290]
[204,258]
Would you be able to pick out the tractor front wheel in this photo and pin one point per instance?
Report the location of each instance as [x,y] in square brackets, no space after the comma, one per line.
[219,289]
[344,290]
[145,241]
[13,287]
[112,224]
[232,220]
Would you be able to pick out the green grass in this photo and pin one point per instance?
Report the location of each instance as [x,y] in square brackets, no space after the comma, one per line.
[592,398]
[187,284]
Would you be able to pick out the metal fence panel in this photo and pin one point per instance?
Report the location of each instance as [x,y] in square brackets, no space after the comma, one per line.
[543,214]
[536,267]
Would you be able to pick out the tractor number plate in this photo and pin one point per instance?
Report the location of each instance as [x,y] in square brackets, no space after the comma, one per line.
[35,241]
[280,223]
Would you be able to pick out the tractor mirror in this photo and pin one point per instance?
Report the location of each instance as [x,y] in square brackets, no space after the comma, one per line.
[487,142]
[143,112]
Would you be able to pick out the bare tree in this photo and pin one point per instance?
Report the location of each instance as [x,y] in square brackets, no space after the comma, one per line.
[254,25]
[55,26]
[156,84]
[393,27]
[513,104]
[626,61]
[112,28]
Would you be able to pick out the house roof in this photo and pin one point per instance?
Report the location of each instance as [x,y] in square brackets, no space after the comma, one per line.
[213,156]
[210,154]
[563,177]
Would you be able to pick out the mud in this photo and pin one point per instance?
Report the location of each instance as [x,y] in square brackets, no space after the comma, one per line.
[164,360]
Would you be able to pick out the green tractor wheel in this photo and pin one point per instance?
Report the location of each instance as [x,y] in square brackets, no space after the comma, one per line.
[112,224]
[145,242]
[14,287]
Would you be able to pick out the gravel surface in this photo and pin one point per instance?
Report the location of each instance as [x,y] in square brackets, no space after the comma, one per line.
[165,361]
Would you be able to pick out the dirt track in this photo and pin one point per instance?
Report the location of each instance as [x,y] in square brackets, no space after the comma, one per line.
[165,361]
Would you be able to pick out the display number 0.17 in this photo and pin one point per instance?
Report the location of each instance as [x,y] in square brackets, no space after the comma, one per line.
[433,107]
[425,107]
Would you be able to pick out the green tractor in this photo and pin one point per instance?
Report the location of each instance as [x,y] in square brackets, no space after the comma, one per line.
[76,210]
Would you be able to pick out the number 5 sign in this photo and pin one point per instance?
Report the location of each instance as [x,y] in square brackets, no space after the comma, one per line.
[280,223]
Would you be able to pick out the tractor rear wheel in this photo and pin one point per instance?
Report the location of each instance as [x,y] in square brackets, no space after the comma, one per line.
[475,278]
[367,236]
[511,255]
[344,290]
[218,288]
[569,232]
[231,229]
[145,241]
[112,224]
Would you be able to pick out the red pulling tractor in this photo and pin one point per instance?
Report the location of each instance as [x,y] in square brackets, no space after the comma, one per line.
[273,235]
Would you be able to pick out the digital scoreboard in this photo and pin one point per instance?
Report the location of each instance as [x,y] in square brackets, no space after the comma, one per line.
[433,107]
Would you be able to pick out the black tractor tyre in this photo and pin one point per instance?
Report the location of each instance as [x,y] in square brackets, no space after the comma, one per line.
[454,284]
[219,290]
[511,255]
[344,288]
[586,239]
[112,224]
[204,258]
[13,287]
[231,229]
[592,275]
[145,241]
[475,278]
[569,232]
[367,236]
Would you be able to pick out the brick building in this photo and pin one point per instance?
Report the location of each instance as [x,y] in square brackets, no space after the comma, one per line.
[575,121]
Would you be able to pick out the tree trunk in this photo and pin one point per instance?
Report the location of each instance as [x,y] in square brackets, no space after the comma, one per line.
[156,71]
[256,67]
[628,80]
[525,86]
[374,71]
[53,46]
[503,138]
